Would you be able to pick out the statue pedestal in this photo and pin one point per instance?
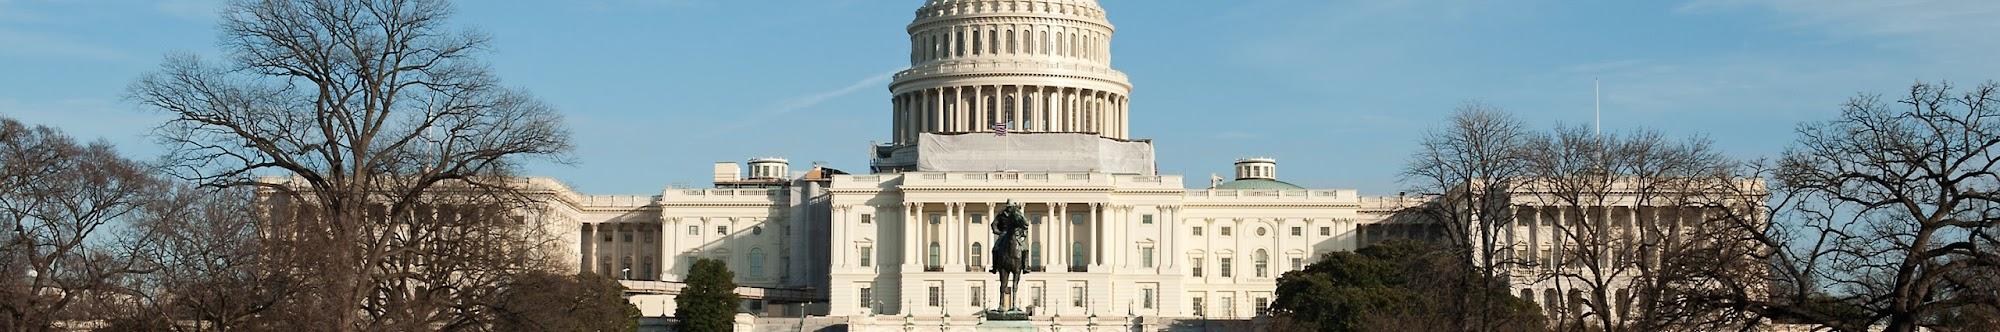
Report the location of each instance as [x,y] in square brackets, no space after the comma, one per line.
[1005,326]
[1005,315]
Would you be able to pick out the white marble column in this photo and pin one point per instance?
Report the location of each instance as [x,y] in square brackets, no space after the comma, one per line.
[1096,252]
[1068,233]
[954,237]
[1163,242]
[839,243]
[910,214]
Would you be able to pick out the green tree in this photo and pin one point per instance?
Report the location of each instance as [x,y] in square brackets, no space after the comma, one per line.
[709,301]
[1391,286]
[553,302]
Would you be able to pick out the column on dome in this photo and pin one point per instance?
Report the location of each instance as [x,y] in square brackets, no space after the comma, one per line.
[1118,117]
[972,119]
[1085,111]
[1083,101]
[1125,108]
[915,104]
[1097,101]
[1020,93]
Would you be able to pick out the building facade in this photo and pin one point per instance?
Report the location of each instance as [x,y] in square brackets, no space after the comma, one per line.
[1005,100]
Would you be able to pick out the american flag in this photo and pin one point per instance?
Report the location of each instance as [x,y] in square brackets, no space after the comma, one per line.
[999,129]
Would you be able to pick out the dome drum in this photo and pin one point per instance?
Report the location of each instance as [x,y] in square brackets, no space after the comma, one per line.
[1039,66]
[1020,108]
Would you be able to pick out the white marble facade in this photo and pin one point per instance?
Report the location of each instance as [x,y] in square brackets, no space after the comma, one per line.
[900,243]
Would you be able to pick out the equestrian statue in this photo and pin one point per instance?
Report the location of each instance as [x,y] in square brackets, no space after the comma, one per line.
[1010,261]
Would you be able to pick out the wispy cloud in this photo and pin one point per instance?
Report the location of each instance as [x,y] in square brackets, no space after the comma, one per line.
[1931,24]
[808,101]
[32,44]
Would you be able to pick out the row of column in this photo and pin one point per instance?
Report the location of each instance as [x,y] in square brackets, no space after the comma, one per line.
[955,41]
[955,233]
[609,258]
[1021,108]
[1536,230]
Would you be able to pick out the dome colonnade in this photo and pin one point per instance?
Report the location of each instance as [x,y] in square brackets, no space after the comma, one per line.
[1030,65]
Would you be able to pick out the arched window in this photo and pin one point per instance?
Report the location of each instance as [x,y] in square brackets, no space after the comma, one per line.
[978,254]
[1263,263]
[1076,253]
[934,255]
[1035,254]
[756,262]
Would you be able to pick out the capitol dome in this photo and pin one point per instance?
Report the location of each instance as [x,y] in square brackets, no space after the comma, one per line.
[1022,66]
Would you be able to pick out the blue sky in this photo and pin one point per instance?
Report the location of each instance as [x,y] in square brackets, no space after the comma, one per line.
[1338,91]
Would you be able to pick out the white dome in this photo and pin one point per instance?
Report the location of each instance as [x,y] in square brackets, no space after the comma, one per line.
[1022,66]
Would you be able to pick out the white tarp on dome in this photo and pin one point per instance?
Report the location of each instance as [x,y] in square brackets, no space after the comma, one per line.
[1033,152]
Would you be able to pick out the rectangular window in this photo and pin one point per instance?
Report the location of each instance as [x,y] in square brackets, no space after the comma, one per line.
[979,296]
[1146,298]
[1197,306]
[867,256]
[628,237]
[1298,263]
[1146,219]
[722,230]
[1197,230]
[936,293]
[867,218]
[692,230]
[937,219]
[1226,305]
[1325,231]
[1037,295]
[1225,230]
[1197,266]
[1225,267]
[1261,304]
[867,298]
[1076,296]
[1076,219]
[607,236]
[1035,219]
[649,237]
[1146,257]
[978,218]
[1298,231]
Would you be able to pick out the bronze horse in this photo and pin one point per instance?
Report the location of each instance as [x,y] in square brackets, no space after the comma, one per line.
[1010,254]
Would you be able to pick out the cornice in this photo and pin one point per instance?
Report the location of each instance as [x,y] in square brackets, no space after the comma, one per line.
[1268,205]
[1008,17]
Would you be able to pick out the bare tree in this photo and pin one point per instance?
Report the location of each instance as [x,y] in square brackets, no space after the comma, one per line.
[212,265]
[1627,216]
[1894,215]
[56,197]
[1472,163]
[362,109]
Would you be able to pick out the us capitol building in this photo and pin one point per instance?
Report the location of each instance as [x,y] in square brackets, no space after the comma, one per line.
[1004,100]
